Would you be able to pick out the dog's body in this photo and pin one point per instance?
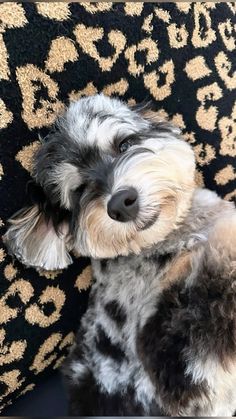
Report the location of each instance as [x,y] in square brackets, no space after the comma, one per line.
[158,337]
[158,324]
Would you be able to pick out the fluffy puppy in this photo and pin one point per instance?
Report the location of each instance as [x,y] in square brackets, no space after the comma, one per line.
[158,338]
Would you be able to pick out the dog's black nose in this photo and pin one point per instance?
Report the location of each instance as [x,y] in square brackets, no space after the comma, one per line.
[123,206]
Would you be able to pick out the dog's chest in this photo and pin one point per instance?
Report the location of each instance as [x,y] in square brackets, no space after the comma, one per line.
[123,297]
[126,290]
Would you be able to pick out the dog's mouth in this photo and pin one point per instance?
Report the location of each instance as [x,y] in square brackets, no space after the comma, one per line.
[149,223]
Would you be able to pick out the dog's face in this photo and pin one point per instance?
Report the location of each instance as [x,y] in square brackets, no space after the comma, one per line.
[123,178]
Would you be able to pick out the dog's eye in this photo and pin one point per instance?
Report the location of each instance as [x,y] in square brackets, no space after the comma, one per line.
[125,145]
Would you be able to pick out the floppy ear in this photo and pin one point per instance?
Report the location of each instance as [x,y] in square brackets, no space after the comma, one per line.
[39,237]
[147,111]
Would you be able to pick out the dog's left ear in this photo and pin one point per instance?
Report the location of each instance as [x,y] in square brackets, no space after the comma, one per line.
[146,111]
[38,239]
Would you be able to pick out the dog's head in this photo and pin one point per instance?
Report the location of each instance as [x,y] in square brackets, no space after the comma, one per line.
[115,180]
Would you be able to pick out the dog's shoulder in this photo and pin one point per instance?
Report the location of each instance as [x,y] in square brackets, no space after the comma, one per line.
[188,345]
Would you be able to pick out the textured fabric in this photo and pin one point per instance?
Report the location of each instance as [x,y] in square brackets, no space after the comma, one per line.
[45,400]
[181,56]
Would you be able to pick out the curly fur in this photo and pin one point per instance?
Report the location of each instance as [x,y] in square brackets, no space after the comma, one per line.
[158,337]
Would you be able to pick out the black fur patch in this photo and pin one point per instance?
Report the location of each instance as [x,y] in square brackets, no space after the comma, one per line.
[160,260]
[107,348]
[161,346]
[103,265]
[87,399]
[164,259]
[116,312]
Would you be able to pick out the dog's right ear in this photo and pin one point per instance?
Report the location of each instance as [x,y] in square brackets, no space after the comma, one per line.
[39,237]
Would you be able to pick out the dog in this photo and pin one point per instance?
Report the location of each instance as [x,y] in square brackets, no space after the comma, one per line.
[159,335]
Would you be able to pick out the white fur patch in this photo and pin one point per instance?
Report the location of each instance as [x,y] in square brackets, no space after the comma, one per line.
[68,179]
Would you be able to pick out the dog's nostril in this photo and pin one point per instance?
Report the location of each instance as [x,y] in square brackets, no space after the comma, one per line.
[129,202]
[123,206]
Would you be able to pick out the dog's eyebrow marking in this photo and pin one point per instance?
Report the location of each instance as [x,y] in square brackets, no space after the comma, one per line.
[107,348]
[116,312]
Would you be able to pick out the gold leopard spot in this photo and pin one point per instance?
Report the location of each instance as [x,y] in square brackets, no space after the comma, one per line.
[206,118]
[12,381]
[6,116]
[59,362]
[131,101]
[227,31]
[230,195]
[31,80]
[162,114]
[88,36]
[34,314]
[10,352]
[84,280]
[12,15]
[29,387]
[133,9]
[97,7]
[4,68]
[10,272]
[227,128]
[183,7]
[46,354]
[2,255]
[199,180]
[178,36]
[163,15]
[89,90]
[25,156]
[151,81]
[177,119]
[50,274]
[4,405]
[189,137]
[120,87]
[54,10]
[1,171]
[232,7]
[204,153]
[224,67]
[67,341]
[210,5]
[210,92]
[203,34]
[21,288]
[225,175]
[197,68]
[147,24]
[61,51]
[149,47]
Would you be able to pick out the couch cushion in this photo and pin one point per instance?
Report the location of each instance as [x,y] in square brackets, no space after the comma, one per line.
[179,55]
